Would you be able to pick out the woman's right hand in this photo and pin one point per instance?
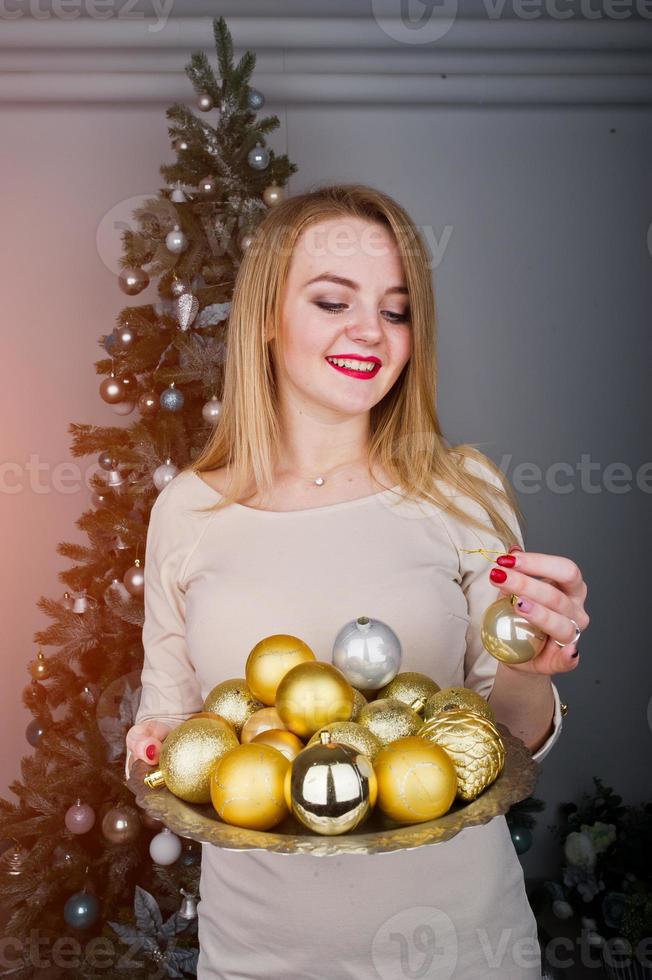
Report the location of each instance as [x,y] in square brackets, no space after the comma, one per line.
[144,741]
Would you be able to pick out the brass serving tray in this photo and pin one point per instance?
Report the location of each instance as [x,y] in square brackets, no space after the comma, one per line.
[377,834]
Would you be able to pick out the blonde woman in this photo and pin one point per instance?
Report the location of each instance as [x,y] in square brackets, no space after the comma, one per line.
[328,491]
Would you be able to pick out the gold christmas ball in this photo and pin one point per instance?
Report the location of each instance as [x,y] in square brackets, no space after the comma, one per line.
[330,787]
[474,745]
[273,195]
[247,786]
[188,756]
[269,662]
[350,733]
[414,783]
[390,719]
[121,824]
[283,740]
[39,668]
[261,721]
[359,701]
[508,636]
[457,697]
[233,700]
[408,685]
[312,695]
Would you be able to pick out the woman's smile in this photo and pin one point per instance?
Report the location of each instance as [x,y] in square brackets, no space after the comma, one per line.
[369,367]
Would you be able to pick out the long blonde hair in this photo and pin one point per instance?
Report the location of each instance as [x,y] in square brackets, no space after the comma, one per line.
[406,438]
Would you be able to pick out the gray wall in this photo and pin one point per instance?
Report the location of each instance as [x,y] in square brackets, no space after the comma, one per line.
[536,186]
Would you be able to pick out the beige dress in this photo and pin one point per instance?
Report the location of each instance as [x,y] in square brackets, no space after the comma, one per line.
[215,585]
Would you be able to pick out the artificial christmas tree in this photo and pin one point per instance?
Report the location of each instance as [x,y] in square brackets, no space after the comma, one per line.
[83,864]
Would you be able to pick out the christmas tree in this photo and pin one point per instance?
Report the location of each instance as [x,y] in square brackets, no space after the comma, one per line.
[88,878]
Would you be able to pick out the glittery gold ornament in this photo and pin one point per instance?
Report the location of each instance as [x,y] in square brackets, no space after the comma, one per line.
[188,756]
[457,697]
[390,719]
[416,780]
[39,668]
[247,786]
[330,787]
[270,660]
[280,738]
[350,733]
[359,701]
[234,701]
[508,636]
[312,695]
[409,685]
[474,745]
[261,721]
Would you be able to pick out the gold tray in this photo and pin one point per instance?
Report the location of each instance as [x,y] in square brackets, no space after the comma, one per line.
[377,834]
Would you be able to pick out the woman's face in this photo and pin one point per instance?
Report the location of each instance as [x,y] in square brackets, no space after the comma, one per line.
[364,316]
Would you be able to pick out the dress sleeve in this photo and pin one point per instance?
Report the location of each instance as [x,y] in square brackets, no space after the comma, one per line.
[479,665]
[170,686]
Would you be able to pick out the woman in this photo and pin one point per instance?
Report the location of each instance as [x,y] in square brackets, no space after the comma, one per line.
[326,492]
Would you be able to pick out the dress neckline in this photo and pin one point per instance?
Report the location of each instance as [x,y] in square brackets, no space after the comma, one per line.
[303,510]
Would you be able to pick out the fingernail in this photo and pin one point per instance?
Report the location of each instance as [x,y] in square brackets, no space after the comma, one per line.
[497,575]
[515,547]
[525,605]
[150,751]
[507,560]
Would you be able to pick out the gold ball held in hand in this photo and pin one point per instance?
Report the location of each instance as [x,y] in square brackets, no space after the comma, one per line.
[474,745]
[269,662]
[330,787]
[312,695]
[234,701]
[457,697]
[508,636]
[247,786]
[416,780]
[188,757]
[350,733]
[390,719]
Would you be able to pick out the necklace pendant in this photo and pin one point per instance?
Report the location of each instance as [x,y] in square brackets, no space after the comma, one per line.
[319,481]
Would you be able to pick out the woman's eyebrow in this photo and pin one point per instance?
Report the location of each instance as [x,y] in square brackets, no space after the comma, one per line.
[342,281]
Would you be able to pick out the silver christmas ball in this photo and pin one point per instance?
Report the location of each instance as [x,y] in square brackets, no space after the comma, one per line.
[180,145]
[106,461]
[123,408]
[176,241]
[204,102]
[207,186]
[148,403]
[163,474]
[134,579]
[124,337]
[179,286]
[112,390]
[258,157]
[171,399]
[212,410]
[255,99]
[246,241]
[133,280]
[368,652]
[177,195]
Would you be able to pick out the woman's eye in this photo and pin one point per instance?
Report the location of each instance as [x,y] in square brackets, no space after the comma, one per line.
[338,307]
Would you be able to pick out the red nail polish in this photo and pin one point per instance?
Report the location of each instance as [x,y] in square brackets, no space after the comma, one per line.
[515,547]
[497,575]
[150,751]
[507,560]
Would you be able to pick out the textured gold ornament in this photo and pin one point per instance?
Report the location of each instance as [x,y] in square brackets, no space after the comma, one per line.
[414,783]
[270,660]
[473,743]
[312,695]
[188,756]
[280,738]
[457,697]
[330,787]
[508,636]
[350,733]
[409,685]
[247,786]
[261,721]
[359,701]
[390,719]
[234,701]
[39,668]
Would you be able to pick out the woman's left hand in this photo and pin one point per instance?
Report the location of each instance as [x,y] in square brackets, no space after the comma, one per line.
[556,591]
